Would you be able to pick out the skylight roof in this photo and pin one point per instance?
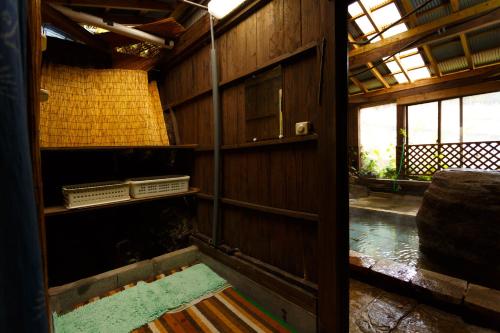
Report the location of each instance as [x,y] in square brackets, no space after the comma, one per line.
[408,64]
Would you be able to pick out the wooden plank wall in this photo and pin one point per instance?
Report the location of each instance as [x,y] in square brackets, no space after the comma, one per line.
[280,176]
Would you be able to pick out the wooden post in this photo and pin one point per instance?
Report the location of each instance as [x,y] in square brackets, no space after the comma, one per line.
[333,229]
[33,87]
[400,138]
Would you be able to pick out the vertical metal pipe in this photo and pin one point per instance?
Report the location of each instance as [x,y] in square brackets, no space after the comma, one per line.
[217,136]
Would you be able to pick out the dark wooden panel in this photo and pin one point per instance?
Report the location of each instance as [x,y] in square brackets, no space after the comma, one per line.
[276,240]
[300,85]
[201,70]
[310,21]
[270,31]
[233,115]
[262,105]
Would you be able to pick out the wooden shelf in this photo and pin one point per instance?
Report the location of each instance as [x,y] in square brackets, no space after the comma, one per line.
[187,146]
[275,142]
[263,143]
[58,210]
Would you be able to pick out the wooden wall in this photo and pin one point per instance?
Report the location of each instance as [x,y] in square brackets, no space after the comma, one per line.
[270,204]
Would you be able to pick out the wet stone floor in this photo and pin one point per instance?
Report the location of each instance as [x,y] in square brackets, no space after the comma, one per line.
[375,310]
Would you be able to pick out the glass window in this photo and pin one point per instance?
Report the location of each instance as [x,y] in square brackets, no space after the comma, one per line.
[481,117]
[423,123]
[377,134]
[450,121]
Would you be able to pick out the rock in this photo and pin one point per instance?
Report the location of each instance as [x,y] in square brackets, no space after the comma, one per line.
[460,218]
[360,262]
[393,271]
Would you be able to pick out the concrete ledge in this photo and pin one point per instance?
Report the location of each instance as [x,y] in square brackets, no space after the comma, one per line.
[439,286]
[476,302]
[484,303]
[170,261]
[64,298]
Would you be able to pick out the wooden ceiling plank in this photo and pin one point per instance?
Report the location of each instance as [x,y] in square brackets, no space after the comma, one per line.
[54,17]
[149,5]
[483,74]
[378,50]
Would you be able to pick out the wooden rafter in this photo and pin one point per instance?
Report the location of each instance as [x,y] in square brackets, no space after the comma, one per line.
[426,48]
[359,84]
[465,46]
[478,75]
[455,7]
[425,33]
[149,5]
[434,64]
[377,29]
[370,65]
[54,17]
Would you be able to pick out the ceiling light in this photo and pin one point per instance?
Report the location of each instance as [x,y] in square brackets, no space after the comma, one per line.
[220,8]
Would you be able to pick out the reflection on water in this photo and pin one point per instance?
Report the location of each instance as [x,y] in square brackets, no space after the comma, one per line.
[385,238]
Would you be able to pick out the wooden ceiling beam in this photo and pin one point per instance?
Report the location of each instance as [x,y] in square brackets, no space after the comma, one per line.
[482,74]
[373,69]
[417,36]
[57,19]
[148,5]
[433,62]
[465,47]
[359,84]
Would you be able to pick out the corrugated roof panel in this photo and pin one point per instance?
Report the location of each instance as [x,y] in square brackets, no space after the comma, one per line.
[486,57]
[365,75]
[354,30]
[484,39]
[373,84]
[469,3]
[453,65]
[432,15]
[391,80]
[353,89]
[448,50]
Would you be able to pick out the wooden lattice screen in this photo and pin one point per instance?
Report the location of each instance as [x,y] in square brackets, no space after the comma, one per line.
[425,160]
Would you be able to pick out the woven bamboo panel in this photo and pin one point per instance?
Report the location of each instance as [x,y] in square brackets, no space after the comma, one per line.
[90,107]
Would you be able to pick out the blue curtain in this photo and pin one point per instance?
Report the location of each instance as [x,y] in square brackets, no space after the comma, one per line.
[22,303]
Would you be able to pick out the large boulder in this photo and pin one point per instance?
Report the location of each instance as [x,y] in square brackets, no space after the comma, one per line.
[460,218]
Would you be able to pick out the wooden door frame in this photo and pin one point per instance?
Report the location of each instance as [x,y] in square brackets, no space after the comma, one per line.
[333,230]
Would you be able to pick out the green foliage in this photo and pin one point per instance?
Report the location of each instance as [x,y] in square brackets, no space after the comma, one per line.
[371,162]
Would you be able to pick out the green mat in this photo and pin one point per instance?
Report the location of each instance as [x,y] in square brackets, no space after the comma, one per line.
[134,307]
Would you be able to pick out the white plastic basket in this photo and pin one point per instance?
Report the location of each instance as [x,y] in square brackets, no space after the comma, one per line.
[155,186]
[84,195]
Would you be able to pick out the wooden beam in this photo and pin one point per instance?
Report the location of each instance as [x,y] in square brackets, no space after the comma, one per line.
[426,33]
[64,23]
[434,64]
[127,61]
[465,46]
[455,6]
[377,29]
[479,88]
[370,65]
[148,5]
[33,75]
[426,85]
[358,84]
[333,191]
